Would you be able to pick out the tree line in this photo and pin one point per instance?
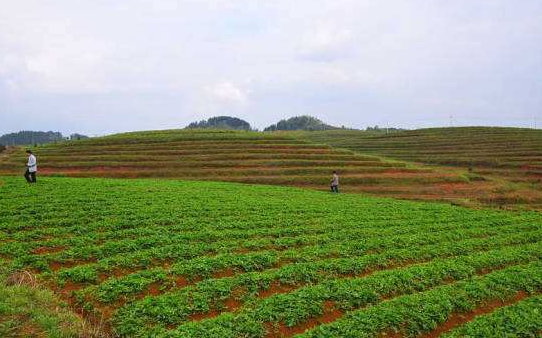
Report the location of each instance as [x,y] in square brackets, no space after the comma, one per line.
[304,122]
[29,137]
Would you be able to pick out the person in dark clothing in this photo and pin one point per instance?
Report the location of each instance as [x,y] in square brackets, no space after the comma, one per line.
[31,168]
[335,183]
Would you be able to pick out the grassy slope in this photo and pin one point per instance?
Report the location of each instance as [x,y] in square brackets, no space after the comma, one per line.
[248,157]
[28,309]
[510,157]
[62,229]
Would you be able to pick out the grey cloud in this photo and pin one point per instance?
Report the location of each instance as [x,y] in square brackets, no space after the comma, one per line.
[98,66]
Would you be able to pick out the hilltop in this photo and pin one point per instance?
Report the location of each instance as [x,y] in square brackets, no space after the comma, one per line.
[221,122]
[304,122]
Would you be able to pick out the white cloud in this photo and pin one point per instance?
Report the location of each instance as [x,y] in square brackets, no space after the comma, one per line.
[228,93]
[325,43]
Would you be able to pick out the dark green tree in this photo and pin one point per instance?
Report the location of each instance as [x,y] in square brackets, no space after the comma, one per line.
[27,137]
[221,122]
[304,122]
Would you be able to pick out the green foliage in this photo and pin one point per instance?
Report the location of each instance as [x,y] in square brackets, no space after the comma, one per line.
[520,320]
[27,137]
[221,122]
[304,122]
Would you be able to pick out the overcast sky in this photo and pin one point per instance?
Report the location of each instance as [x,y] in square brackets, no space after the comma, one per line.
[103,66]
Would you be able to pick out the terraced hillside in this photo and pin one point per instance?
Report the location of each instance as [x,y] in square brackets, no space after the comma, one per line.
[503,155]
[167,258]
[249,157]
[510,152]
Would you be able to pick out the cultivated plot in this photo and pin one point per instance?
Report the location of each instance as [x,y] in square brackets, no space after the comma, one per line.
[165,258]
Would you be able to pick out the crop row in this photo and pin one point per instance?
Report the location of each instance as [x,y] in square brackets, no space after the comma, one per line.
[354,262]
[306,302]
[141,239]
[182,151]
[523,319]
[423,312]
[109,215]
[313,246]
[297,271]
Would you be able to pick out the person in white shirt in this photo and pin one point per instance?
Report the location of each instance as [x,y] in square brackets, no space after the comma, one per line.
[335,183]
[31,168]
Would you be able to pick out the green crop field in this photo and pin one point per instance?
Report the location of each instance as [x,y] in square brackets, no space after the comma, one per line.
[290,158]
[171,258]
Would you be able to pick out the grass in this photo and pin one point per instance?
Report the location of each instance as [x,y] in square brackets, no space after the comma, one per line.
[169,258]
[29,309]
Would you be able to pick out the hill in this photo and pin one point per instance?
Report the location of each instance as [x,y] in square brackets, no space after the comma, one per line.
[167,258]
[248,157]
[304,122]
[508,152]
[221,122]
[509,157]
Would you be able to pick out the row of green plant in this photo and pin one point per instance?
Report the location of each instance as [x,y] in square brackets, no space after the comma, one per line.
[168,158]
[319,246]
[420,313]
[182,151]
[523,319]
[316,263]
[307,302]
[239,246]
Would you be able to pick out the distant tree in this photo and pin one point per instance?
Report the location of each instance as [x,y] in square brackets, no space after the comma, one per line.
[27,137]
[2,148]
[304,122]
[76,137]
[221,122]
[383,129]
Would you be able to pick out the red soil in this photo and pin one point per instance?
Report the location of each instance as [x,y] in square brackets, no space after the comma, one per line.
[182,282]
[201,316]
[224,273]
[55,266]
[46,250]
[232,304]
[331,314]
[277,288]
[153,290]
[117,273]
[458,319]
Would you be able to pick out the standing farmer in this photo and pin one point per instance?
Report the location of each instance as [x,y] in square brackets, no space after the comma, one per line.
[31,168]
[335,183]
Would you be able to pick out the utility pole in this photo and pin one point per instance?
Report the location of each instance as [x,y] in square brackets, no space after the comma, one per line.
[451,120]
